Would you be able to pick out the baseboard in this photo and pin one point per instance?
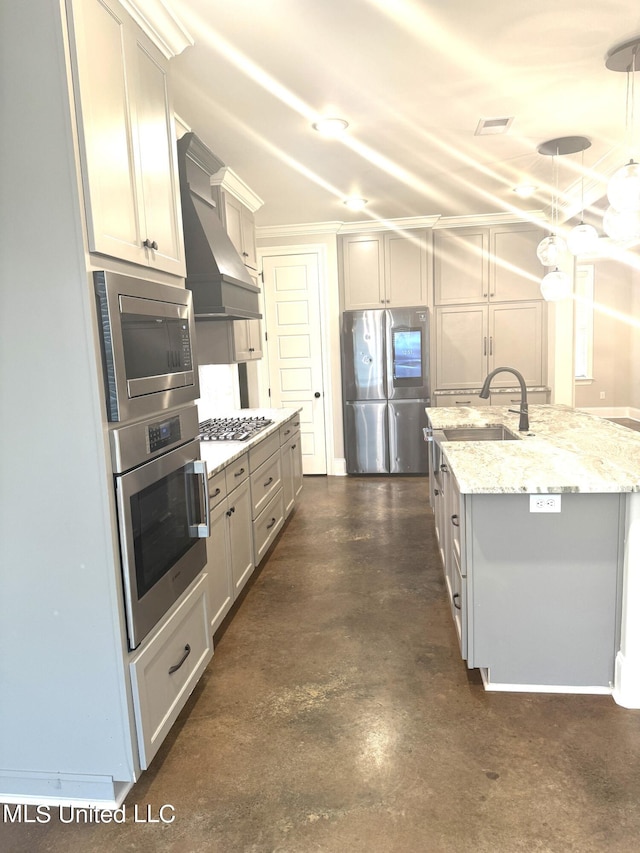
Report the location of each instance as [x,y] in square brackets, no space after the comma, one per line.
[339,467]
[612,411]
[540,688]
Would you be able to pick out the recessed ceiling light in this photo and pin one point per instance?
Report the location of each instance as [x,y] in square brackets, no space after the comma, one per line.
[525,190]
[330,126]
[355,203]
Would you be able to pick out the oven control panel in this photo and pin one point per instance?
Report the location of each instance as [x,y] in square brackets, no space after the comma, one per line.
[163,433]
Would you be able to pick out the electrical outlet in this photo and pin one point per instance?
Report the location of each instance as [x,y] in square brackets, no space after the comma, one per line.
[545,503]
[603,395]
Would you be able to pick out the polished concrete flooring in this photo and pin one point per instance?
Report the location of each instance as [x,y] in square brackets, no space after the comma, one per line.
[338,716]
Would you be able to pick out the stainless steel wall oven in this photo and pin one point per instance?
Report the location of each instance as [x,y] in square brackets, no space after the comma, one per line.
[163,513]
[161,494]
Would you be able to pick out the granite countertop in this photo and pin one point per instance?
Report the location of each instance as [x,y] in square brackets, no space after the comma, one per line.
[219,454]
[565,450]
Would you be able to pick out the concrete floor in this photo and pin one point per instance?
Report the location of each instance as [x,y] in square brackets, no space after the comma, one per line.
[337,716]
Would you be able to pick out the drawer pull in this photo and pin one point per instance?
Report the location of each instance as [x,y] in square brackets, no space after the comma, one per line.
[436,492]
[293,446]
[455,603]
[463,402]
[297,424]
[268,483]
[231,511]
[216,493]
[444,469]
[239,473]
[455,520]
[287,431]
[270,525]
[176,666]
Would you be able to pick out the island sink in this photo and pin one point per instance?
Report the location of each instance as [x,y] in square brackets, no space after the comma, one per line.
[489,433]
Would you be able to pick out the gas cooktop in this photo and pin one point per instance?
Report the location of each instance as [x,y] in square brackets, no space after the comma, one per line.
[232,429]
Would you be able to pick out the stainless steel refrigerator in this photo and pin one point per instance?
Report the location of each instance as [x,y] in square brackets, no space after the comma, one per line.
[385,381]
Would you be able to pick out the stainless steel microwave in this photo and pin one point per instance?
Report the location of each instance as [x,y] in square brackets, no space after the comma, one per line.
[148,345]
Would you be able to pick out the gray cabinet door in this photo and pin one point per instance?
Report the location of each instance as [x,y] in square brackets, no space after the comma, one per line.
[461,267]
[515,340]
[462,346]
[405,268]
[515,272]
[363,271]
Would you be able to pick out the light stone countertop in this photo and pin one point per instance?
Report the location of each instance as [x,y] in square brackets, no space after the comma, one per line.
[565,450]
[219,454]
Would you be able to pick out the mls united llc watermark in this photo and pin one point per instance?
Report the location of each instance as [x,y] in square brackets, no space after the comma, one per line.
[91,814]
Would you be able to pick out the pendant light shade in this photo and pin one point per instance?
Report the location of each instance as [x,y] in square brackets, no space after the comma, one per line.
[623,189]
[582,239]
[555,286]
[550,250]
[623,226]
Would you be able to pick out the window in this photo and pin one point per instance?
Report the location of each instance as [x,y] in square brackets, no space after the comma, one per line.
[583,322]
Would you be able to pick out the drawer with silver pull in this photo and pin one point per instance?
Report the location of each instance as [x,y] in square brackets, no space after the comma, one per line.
[237,472]
[289,429]
[217,488]
[167,668]
[264,482]
[267,526]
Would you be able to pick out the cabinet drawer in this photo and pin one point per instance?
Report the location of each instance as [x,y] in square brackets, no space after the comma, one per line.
[267,525]
[265,482]
[217,488]
[461,399]
[159,694]
[237,472]
[506,398]
[288,430]
[263,450]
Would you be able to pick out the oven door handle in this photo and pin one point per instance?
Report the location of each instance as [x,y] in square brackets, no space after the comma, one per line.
[200,529]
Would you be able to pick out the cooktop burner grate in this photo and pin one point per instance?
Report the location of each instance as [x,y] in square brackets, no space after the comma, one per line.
[232,429]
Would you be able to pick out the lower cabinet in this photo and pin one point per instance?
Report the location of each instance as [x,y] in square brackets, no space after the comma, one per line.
[167,669]
[249,501]
[534,596]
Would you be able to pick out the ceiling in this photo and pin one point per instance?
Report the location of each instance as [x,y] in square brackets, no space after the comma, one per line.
[413,78]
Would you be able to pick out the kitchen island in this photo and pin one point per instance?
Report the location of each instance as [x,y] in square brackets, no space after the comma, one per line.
[539,536]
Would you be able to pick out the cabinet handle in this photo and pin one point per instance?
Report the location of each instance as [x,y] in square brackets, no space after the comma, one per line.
[491,345]
[463,402]
[455,520]
[436,492]
[176,666]
[444,468]
[287,431]
[293,446]
[150,244]
[484,351]
[268,483]
[269,526]
[239,473]
[297,424]
[455,603]
[231,511]
[216,493]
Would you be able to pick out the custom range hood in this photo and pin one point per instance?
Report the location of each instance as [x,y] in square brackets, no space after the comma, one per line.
[221,286]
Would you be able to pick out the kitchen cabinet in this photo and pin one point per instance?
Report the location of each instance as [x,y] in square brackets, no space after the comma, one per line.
[240,224]
[167,668]
[472,340]
[228,341]
[534,595]
[291,456]
[486,264]
[496,398]
[385,269]
[266,494]
[126,139]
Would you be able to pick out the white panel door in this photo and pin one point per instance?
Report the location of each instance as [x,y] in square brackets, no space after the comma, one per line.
[292,307]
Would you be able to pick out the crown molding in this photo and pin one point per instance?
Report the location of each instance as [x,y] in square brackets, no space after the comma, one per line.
[506,218]
[303,229]
[161,25]
[226,179]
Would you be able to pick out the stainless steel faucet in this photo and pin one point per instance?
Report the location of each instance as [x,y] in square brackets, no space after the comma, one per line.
[523,411]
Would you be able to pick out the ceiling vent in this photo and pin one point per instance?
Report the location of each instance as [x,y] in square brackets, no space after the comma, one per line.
[489,126]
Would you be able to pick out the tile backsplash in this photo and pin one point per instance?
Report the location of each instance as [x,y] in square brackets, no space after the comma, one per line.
[219,390]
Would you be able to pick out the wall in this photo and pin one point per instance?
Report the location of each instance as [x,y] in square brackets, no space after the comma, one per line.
[613,338]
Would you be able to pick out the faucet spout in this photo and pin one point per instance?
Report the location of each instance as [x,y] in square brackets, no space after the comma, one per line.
[523,411]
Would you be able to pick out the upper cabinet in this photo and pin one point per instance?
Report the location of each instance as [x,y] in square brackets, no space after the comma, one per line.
[486,264]
[126,139]
[242,231]
[385,269]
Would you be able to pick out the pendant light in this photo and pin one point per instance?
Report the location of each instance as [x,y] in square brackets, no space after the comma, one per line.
[583,238]
[556,285]
[621,221]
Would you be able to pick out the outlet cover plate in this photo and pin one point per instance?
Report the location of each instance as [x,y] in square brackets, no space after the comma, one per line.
[545,503]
